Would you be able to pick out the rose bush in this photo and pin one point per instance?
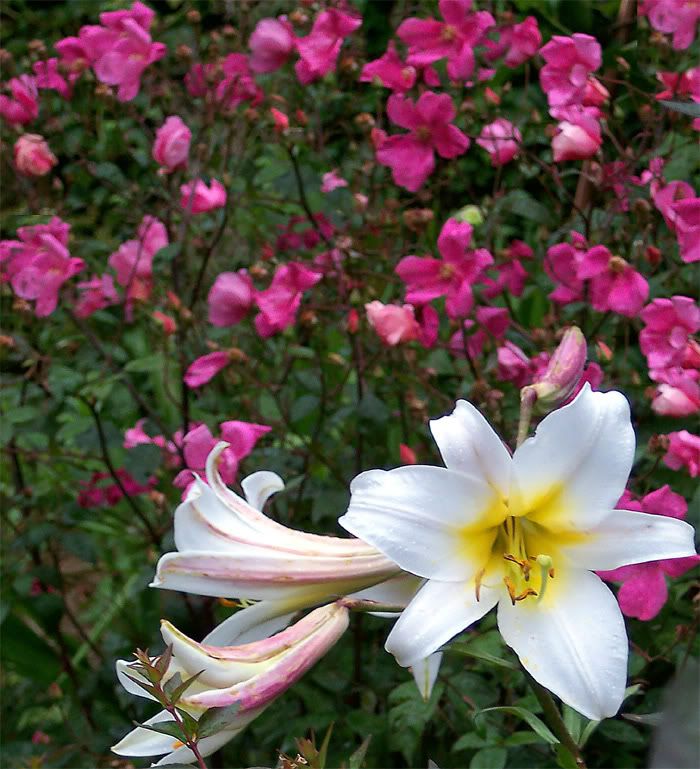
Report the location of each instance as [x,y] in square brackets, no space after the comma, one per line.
[305,229]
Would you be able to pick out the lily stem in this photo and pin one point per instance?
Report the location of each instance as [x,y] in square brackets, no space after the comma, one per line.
[555,721]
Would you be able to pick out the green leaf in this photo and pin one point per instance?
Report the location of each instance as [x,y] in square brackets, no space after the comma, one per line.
[469,741]
[323,750]
[468,650]
[150,688]
[684,107]
[489,758]
[176,688]
[142,461]
[162,663]
[190,723]
[109,172]
[215,720]
[356,759]
[168,253]
[171,728]
[621,732]
[565,759]
[522,204]
[646,719]
[536,724]
[145,364]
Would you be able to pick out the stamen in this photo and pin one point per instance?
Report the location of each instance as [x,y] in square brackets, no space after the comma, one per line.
[510,587]
[525,594]
[477,584]
[523,565]
[546,570]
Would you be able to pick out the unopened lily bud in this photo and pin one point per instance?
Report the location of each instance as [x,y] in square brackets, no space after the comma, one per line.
[563,373]
[249,675]
[470,214]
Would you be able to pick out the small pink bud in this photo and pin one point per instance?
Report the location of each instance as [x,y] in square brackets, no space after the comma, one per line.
[563,373]
[33,156]
[353,321]
[407,454]
[169,325]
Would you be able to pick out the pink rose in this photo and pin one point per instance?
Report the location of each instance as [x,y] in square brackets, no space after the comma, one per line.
[332,181]
[430,40]
[411,156]
[38,264]
[319,50]
[205,368]
[271,44]
[172,144]
[678,395]
[393,323]
[33,156]
[615,284]
[230,298]
[577,140]
[668,326]
[390,71]
[501,139]
[198,198]
[569,62]
[452,276]
[23,106]
[95,294]
[683,451]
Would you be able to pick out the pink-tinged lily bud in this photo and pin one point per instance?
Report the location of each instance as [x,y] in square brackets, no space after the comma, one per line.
[562,375]
[172,145]
[33,157]
[250,675]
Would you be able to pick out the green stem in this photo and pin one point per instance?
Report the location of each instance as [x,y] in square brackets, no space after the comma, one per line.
[555,721]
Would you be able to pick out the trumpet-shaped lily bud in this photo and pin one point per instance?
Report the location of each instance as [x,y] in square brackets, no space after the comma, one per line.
[228,548]
[563,373]
[250,675]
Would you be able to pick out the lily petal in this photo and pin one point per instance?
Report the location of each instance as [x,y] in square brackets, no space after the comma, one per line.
[439,611]
[425,673]
[572,472]
[627,537]
[469,445]
[573,642]
[208,745]
[431,521]
[260,486]
[253,623]
[144,742]
[245,571]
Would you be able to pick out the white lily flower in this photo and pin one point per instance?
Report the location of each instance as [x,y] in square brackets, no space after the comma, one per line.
[522,532]
[250,675]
